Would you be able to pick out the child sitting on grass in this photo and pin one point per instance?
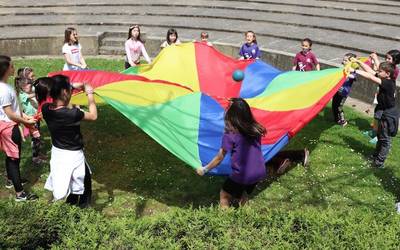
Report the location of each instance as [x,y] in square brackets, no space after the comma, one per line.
[242,139]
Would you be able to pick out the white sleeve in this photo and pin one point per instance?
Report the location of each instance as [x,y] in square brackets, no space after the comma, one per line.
[65,49]
[128,52]
[5,98]
[145,55]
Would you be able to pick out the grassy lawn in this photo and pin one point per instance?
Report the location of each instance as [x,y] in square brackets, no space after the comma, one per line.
[136,179]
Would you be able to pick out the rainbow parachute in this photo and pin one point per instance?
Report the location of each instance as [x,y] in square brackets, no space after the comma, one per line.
[179,99]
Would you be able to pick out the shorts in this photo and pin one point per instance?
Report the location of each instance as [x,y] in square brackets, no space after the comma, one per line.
[236,189]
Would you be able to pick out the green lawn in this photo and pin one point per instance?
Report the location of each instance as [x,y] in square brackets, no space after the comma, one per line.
[154,199]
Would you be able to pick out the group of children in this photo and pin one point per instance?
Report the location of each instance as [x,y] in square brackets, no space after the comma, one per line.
[69,172]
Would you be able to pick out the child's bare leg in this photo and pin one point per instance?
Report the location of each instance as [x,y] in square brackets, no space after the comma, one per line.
[244,199]
[224,199]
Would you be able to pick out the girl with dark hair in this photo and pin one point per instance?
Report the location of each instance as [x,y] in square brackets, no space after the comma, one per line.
[26,72]
[250,49]
[172,38]
[393,57]
[134,48]
[69,173]
[242,139]
[72,51]
[10,136]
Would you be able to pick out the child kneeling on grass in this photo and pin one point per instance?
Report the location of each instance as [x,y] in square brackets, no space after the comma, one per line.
[242,138]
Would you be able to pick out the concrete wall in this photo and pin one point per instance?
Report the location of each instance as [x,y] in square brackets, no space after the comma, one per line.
[363,90]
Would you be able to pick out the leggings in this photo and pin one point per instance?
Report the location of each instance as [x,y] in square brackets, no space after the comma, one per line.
[12,164]
[84,199]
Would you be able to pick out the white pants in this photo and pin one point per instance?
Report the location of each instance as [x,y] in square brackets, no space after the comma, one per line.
[67,173]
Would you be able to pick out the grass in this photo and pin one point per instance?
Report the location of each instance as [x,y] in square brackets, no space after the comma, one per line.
[136,179]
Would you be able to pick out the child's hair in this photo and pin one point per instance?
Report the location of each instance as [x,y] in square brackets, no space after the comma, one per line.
[203,35]
[395,54]
[24,72]
[170,32]
[5,62]
[388,68]
[60,82]
[130,32]
[350,55]
[68,32]
[42,88]
[239,118]
[254,35]
[20,81]
[308,40]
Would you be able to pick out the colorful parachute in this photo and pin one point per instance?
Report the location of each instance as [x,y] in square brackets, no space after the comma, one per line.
[179,99]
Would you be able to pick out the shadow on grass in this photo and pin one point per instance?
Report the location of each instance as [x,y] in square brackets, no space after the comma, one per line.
[385,175]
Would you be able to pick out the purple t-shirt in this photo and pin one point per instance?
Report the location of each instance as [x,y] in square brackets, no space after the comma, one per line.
[247,160]
[305,61]
[250,51]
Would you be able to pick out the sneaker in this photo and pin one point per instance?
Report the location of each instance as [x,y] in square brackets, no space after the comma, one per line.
[306,157]
[374,140]
[342,123]
[23,196]
[38,160]
[9,184]
[284,165]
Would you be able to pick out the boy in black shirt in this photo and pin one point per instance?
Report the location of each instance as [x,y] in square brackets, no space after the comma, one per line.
[385,112]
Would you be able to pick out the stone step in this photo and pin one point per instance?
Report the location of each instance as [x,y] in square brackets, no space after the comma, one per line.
[111,50]
[113,41]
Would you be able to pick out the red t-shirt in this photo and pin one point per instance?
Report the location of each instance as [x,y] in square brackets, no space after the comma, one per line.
[305,61]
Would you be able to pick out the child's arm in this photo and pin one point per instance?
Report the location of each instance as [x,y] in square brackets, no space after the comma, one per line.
[82,61]
[92,114]
[258,53]
[367,75]
[375,60]
[145,55]
[213,163]
[70,62]
[364,66]
[16,118]
[32,100]
[318,67]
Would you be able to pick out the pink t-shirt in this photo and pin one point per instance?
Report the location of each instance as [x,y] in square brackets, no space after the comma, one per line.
[135,49]
[305,61]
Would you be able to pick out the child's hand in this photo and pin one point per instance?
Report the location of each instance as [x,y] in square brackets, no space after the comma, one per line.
[83,66]
[88,89]
[200,171]
[374,56]
[78,85]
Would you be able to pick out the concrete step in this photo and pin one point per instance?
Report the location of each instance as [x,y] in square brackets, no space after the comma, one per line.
[111,50]
[113,41]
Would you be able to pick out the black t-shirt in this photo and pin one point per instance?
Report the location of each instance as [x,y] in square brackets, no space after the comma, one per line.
[386,95]
[64,126]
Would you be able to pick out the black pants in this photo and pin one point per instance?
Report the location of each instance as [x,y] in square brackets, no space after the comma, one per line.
[12,164]
[36,142]
[84,199]
[127,65]
[383,145]
[337,107]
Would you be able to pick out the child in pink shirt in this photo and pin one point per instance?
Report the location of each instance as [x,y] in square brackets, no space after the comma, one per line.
[134,48]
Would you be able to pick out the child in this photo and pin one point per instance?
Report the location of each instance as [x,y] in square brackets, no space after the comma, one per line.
[250,49]
[305,60]
[204,38]
[242,139]
[26,72]
[172,38]
[385,111]
[72,51]
[69,174]
[134,48]
[340,97]
[29,107]
[10,136]
[392,56]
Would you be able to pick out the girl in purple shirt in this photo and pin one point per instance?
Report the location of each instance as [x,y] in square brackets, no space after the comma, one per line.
[250,49]
[242,139]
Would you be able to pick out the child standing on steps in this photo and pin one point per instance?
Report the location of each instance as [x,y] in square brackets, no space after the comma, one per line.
[340,97]
[305,60]
[242,139]
[250,49]
[72,51]
[134,48]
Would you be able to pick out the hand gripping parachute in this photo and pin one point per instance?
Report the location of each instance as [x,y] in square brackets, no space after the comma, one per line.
[179,99]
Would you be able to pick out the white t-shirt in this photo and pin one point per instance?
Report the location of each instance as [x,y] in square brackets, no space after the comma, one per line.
[8,97]
[74,52]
